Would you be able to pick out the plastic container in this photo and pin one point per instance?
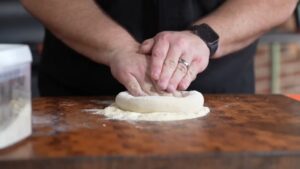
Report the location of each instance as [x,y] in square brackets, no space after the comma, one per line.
[15,93]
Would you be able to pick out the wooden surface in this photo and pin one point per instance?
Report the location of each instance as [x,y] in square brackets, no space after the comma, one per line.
[241,132]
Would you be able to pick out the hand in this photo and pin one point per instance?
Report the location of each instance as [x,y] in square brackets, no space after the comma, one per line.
[130,69]
[166,49]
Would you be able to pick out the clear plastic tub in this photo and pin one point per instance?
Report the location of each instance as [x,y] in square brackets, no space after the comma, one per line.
[15,93]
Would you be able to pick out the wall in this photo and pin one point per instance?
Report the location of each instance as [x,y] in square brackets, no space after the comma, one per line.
[290,64]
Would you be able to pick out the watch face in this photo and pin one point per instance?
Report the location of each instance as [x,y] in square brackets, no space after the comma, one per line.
[207,33]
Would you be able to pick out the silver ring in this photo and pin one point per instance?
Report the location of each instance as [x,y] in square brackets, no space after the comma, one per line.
[185,63]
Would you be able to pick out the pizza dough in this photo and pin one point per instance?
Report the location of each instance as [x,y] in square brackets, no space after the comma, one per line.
[156,108]
[189,102]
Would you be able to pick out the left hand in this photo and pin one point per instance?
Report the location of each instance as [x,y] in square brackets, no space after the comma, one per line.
[166,50]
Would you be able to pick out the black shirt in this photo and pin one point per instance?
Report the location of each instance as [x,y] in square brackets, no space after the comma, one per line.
[66,72]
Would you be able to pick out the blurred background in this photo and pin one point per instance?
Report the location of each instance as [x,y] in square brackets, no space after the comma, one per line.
[277,62]
[17,26]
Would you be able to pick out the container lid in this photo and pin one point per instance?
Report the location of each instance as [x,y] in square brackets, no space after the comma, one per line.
[14,54]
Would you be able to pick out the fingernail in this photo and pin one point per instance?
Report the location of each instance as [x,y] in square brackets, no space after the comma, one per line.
[182,86]
[155,75]
[171,89]
[162,85]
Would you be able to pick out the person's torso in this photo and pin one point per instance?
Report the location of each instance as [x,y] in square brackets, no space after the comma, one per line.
[144,19]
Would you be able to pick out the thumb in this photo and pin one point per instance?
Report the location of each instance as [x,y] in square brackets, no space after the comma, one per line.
[147,46]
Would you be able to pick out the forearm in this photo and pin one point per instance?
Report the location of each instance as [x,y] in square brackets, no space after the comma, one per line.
[83,26]
[241,22]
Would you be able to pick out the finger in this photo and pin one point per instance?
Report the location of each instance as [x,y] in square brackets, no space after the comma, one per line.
[159,53]
[159,91]
[133,86]
[149,89]
[147,86]
[147,46]
[189,76]
[169,67]
[180,72]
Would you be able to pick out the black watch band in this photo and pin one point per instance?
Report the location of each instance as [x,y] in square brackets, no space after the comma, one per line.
[208,35]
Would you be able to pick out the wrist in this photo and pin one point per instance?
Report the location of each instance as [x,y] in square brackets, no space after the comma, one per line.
[208,36]
[120,50]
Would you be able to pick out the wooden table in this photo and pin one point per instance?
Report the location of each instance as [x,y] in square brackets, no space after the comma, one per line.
[241,132]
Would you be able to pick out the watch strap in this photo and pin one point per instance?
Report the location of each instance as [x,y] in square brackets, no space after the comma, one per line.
[208,35]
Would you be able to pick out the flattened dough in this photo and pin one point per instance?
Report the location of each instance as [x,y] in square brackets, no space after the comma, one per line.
[156,108]
[190,102]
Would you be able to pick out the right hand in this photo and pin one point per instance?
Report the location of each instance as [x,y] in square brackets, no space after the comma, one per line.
[166,50]
[131,69]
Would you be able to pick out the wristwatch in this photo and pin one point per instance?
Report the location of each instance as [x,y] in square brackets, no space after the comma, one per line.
[208,35]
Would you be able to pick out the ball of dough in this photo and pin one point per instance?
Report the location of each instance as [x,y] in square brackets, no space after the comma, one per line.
[189,102]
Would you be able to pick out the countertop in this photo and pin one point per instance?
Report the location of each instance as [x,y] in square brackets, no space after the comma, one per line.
[240,132]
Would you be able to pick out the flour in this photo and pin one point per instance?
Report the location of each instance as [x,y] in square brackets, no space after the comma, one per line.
[18,127]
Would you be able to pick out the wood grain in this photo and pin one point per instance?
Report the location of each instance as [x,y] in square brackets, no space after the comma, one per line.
[242,131]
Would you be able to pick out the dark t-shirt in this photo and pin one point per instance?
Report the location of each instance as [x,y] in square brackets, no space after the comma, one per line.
[66,72]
